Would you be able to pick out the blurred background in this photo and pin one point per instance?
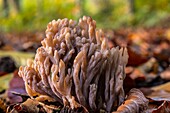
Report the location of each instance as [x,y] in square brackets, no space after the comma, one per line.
[142,26]
[23,15]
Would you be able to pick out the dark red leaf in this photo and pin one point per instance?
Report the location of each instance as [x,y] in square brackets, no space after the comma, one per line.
[16,85]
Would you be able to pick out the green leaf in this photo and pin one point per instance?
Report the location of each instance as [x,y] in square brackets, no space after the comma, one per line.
[19,57]
[4,81]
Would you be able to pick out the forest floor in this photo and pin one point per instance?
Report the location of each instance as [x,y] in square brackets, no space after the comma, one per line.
[148,66]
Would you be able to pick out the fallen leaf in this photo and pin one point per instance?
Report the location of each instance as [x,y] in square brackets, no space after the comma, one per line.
[16,85]
[163,108]
[3,106]
[2,73]
[165,87]
[135,58]
[4,81]
[166,74]
[19,57]
[134,103]
[159,95]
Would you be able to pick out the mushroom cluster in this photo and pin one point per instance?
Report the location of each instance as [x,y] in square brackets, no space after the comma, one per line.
[75,67]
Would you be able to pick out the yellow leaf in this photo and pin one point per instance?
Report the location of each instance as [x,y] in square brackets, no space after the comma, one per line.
[19,57]
[4,81]
[165,87]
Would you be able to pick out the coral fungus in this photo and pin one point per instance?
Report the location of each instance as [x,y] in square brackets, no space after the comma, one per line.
[75,67]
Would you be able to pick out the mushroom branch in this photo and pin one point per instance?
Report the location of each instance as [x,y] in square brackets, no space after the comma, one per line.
[75,67]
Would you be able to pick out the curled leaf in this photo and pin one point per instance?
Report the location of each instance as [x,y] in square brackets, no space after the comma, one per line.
[134,103]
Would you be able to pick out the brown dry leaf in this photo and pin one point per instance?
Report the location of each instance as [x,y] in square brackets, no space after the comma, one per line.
[2,73]
[159,101]
[168,34]
[135,103]
[159,95]
[158,107]
[129,70]
[3,106]
[25,41]
[165,87]
[162,51]
[144,43]
[135,58]
[163,108]
[34,106]
[166,74]
[137,73]
[145,72]
[128,84]
[29,106]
